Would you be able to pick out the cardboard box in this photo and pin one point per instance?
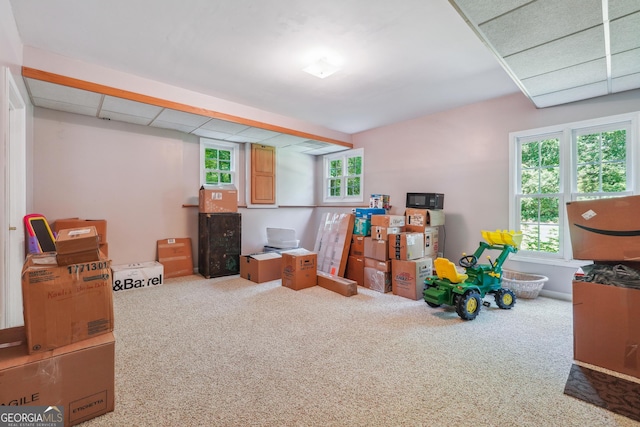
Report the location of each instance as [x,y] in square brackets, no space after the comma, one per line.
[406,246]
[382,233]
[104,248]
[407,277]
[72,240]
[299,269]
[65,304]
[605,229]
[337,284]
[606,326]
[176,257]
[67,223]
[137,275]
[377,275]
[388,220]
[77,378]
[262,267]
[362,226]
[431,241]
[418,219]
[77,245]
[380,201]
[367,212]
[221,198]
[355,269]
[376,249]
[357,246]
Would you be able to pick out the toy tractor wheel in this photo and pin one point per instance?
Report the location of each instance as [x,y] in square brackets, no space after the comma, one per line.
[468,305]
[505,298]
[432,304]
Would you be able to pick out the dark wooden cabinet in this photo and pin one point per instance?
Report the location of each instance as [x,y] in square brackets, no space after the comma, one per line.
[219,244]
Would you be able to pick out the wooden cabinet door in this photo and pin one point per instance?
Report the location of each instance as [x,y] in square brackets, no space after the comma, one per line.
[263,174]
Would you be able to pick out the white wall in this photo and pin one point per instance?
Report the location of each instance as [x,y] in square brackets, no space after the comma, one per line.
[463,153]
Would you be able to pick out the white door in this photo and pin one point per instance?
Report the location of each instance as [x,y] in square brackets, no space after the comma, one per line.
[15,204]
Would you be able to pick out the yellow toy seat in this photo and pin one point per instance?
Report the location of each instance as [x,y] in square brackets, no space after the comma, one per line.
[445,269]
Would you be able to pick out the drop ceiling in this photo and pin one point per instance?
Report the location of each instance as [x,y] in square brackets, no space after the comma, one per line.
[73,100]
[561,51]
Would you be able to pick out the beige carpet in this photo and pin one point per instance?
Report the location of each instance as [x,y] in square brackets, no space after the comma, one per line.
[230,352]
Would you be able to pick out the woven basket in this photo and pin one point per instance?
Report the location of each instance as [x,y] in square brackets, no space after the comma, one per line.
[524,285]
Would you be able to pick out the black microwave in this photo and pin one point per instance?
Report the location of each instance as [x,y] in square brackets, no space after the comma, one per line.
[425,200]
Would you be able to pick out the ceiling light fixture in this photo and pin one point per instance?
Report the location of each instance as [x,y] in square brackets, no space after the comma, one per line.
[321,68]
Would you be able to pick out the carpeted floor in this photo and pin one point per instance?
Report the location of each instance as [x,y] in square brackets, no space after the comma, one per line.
[230,352]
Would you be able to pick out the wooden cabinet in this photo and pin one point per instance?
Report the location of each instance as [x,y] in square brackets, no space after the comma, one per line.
[219,244]
[263,174]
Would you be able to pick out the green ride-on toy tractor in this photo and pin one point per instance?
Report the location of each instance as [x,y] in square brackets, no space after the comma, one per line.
[466,291]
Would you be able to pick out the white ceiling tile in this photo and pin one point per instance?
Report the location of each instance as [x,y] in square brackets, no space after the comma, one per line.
[568,51]
[211,133]
[483,10]
[111,115]
[283,139]
[618,8]
[188,120]
[295,148]
[257,133]
[172,125]
[566,78]
[64,94]
[625,63]
[571,95]
[625,33]
[63,106]
[224,126]
[130,108]
[540,22]
[629,82]
[238,138]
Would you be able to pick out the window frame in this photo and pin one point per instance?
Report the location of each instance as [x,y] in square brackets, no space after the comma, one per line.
[343,155]
[224,145]
[568,174]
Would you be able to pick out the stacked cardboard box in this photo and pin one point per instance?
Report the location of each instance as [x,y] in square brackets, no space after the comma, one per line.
[68,334]
[606,320]
[65,304]
[77,245]
[218,199]
[411,238]
[362,222]
[355,261]
[76,379]
[408,277]
[99,224]
[176,257]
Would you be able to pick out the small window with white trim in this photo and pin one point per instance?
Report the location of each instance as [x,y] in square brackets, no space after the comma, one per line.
[218,162]
[343,176]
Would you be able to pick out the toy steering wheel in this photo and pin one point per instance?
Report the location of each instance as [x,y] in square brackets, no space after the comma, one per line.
[468,261]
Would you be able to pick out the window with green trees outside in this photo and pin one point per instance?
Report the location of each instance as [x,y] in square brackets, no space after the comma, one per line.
[553,166]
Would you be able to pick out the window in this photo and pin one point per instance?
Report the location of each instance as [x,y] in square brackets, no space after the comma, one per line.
[552,166]
[218,162]
[343,176]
